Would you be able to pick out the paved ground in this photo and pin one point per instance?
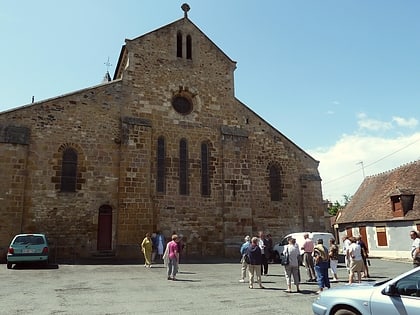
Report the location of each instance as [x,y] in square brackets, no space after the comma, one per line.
[211,288]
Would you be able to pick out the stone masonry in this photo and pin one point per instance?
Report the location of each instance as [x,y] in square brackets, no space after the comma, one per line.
[114,128]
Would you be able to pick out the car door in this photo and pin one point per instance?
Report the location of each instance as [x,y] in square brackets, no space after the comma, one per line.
[400,297]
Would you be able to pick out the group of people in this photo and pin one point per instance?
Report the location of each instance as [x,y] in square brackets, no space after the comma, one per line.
[316,258]
[155,245]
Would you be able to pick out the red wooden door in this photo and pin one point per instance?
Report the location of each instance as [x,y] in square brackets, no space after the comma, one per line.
[105,228]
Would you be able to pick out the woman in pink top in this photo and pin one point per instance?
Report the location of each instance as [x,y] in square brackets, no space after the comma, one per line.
[172,256]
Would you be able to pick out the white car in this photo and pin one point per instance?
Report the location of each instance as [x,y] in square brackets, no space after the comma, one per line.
[314,236]
[400,295]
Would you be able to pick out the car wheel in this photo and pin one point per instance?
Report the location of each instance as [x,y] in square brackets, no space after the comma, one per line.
[9,265]
[346,312]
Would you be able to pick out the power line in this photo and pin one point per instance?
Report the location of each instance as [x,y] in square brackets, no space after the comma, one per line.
[373,163]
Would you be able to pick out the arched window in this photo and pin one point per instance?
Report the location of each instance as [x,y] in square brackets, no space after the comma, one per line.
[189,47]
[179,44]
[275,183]
[183,167]
[69,170]
[160,181]
[205,178]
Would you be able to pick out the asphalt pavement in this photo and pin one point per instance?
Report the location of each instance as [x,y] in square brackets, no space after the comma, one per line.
[201,288]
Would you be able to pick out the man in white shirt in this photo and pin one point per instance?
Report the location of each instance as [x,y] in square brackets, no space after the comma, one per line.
[415,248]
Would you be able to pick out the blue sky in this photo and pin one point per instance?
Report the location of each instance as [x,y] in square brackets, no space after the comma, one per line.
[341,79]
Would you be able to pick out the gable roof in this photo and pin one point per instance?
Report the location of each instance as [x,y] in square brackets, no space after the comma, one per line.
[372,201]
[123,54]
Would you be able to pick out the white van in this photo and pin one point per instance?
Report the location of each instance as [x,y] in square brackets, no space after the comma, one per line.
[314,236]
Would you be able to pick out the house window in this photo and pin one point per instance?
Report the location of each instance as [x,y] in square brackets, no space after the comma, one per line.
[183,167]
[275,183]
[160,182]
[179,45]
[69,170]
[205,180]
[381,236]
[189,47]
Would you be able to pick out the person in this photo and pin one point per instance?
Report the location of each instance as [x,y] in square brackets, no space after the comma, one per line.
[356,260]
[171,257]
[292,269]
[159,244]
[254,267]
[320,255]
[263,244]
[346,245]
[333,256]
[365,255]
[415,248]
[180,245]
[244,264]
[270,251]
[308,261]
[146,248]
[154,251]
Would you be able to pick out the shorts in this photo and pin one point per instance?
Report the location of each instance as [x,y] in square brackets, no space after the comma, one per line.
[356,266]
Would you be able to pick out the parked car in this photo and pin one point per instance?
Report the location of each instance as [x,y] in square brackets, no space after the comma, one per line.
[400,295]
[314,236]
[27,248]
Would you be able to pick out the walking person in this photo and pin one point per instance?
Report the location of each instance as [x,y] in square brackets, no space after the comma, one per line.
[346,245]
[254,266]
[171,257]
[356,260]
[415,248]
[243,251]
[292,269]
[308,260]
[159,244]
[333,255]
[146,248]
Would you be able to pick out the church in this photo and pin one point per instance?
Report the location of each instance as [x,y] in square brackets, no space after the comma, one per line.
[164,145]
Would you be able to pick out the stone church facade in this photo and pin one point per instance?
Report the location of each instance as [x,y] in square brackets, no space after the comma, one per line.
[164,145]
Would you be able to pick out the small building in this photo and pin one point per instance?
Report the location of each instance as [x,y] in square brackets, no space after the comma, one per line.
[163,145]
[383,211]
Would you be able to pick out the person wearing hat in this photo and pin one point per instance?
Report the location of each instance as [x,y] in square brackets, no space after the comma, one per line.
[244,264]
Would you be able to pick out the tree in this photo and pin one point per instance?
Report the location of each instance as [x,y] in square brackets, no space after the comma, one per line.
[336,206]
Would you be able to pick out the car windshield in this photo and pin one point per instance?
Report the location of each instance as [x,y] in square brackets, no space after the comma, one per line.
[29,240]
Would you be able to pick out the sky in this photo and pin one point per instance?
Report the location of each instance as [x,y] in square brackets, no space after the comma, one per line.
[340,79]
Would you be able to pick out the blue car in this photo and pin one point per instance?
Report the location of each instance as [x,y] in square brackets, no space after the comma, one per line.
[28,248]
[400,295]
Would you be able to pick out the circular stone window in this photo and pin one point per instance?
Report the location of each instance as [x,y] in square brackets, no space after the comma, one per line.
[182,105]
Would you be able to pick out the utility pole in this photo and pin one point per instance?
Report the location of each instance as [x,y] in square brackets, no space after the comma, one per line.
[363,168]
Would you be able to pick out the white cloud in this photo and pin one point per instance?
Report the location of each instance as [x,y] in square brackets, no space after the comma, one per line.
[402,122]
[365,122]
[340,167]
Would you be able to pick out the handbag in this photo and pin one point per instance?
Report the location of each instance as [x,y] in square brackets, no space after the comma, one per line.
[284,259]
[246,258]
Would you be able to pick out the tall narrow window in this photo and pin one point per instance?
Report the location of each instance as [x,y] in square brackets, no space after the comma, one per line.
[69,170]
[160,181]
[205,178]
[381,236]
[189,47]
[179,45]
[275,183]
[183,167]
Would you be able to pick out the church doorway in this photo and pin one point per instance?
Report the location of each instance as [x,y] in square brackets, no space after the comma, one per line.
[105,228]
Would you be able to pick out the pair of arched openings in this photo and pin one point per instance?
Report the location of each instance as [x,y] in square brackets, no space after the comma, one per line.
[180,45]
[183,167]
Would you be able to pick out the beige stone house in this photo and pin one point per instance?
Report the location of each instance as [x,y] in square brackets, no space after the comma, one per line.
[164,145]
[384,210]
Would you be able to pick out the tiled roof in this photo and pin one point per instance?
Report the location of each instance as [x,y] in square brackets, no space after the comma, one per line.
[372,201]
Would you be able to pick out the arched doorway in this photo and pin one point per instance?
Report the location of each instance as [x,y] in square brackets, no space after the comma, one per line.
[105,228]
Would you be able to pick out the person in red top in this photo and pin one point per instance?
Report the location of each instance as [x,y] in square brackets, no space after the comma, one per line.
[171,255]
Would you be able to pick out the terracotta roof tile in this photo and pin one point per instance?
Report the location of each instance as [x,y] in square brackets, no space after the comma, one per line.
[372,201]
